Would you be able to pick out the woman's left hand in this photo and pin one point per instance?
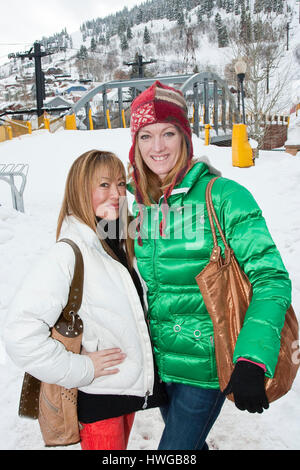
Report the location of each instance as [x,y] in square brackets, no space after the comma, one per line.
[247,383]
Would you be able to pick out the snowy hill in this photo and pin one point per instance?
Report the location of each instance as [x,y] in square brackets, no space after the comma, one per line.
[274,182]
[182,36]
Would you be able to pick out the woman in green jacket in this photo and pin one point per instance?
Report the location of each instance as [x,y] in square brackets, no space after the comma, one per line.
[173,245]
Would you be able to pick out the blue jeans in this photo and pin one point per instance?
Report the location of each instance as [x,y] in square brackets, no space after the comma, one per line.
[189,416]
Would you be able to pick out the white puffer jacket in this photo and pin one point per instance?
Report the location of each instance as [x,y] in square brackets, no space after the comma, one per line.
[111,312]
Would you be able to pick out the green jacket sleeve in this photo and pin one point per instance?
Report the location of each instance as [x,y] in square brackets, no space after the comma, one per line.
[247,234]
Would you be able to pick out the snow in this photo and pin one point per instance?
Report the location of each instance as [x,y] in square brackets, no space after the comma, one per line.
[274,182]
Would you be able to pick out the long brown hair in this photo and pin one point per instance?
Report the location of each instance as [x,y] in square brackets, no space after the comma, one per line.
[150,185]
[77,199]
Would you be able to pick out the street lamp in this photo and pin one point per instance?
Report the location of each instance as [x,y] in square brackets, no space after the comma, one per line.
[240,70]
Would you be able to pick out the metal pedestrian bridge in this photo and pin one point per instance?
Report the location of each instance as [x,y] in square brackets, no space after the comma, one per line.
[209,100]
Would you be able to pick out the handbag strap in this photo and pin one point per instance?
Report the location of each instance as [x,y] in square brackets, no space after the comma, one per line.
[213,216]
[76,288]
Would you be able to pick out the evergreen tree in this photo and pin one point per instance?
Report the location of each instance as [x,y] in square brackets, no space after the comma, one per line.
[82,53]
[209,4]
[180,19]
[221,31]
[223,37]
[258,6]
[121,26]
[218,21]
[139,18]
[129,33]
[237,10]
[146,36]
[280,7]
[199,16]
[93,44]
[124,43]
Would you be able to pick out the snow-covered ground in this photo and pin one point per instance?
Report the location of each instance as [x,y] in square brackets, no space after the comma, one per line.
[274,181]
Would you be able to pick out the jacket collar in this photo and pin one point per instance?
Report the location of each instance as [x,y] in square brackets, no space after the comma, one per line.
[200,168]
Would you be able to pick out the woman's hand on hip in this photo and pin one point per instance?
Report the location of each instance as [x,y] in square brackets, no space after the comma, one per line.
[104,359]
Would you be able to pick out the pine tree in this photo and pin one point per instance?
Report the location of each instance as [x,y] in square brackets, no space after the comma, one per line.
[129,33]
[121,26]
[199,16]
[280,7]
[223,37]
[237,10]
[139,18]
[82,53]
[93,44]
[258,6]
[147,38]
[124,43]
[218,21]
[180,19]
[222,31]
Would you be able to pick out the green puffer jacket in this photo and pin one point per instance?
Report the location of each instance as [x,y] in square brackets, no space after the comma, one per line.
[180,325]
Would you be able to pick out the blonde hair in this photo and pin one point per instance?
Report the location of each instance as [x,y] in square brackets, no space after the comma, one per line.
[150,185]
[81,179]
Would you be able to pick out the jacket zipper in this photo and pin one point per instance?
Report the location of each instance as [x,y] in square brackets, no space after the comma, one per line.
[146,400]
[156,218]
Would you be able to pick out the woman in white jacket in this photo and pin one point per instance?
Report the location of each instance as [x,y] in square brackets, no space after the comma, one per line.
[115,372]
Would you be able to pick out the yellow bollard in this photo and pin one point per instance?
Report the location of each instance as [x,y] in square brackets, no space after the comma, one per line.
[108,119]
[47,123]
[207,135]
[2,134]
[193,117]
[91,120]
[242,154]
[123,118]
[28,124]
[70,122]
[9,132]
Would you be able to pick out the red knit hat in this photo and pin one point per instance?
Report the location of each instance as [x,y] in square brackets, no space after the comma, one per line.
[160,103]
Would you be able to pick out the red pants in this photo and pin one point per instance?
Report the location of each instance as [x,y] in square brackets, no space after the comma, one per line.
[108,434]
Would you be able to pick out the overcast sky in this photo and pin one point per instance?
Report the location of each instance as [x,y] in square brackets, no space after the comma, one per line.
[22,22]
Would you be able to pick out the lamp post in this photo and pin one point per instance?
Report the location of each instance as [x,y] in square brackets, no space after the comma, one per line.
[240,70]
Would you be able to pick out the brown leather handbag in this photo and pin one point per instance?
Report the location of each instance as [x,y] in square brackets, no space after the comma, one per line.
[227,293]
[54,406]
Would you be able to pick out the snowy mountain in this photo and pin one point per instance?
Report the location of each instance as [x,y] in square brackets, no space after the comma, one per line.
[182,36]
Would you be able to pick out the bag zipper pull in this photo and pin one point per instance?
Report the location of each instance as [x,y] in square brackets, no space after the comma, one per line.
[146,400]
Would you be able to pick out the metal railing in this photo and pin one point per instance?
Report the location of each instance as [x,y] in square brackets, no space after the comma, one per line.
[8,173]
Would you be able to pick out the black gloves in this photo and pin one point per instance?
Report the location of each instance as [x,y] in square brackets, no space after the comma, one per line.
[248,388]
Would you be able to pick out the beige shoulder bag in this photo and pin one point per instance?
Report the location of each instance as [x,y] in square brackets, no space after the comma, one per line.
[56,407]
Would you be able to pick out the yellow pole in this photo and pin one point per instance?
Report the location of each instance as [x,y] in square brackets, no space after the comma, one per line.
[70,122]
[9,132]
[108,118]
[123,118]
[28,124]
[2,134]
[242,153]
[207,136]
[91,120]
[47,123]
